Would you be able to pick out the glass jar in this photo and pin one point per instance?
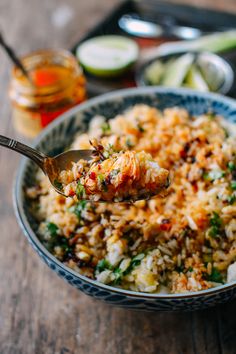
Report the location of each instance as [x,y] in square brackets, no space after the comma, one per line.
[57,84]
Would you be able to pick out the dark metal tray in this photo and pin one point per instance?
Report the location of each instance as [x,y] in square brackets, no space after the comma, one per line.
[205,19]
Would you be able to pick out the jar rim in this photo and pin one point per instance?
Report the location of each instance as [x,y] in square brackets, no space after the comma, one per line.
[38,58]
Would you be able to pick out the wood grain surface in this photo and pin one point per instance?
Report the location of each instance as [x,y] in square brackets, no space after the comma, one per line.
[40,313]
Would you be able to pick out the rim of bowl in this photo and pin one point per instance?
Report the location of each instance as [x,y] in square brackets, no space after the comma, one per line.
[30,234]
[229,76]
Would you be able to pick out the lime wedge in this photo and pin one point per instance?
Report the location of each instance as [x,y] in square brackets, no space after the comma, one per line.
[107,56]
[177,70]
[195,80]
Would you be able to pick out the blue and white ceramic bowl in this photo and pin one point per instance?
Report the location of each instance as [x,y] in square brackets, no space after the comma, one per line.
[59,135]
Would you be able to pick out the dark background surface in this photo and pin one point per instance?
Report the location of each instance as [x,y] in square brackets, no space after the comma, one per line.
[162,12]
[39,313]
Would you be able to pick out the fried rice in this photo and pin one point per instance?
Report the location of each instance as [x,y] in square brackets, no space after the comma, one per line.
[183,242]
[113,176]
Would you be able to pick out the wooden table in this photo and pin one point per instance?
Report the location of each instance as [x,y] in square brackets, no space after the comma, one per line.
[40,313]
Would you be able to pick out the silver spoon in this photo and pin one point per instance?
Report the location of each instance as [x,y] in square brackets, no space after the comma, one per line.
[51,166]
[147,29]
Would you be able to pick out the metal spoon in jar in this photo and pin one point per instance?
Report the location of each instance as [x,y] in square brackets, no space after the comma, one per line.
[14,58]
[51,166]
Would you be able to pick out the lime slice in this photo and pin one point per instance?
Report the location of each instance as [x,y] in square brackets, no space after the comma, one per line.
[177,70]
[195,80]
[107,56]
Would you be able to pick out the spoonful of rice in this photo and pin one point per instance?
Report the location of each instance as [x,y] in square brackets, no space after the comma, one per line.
[100,174]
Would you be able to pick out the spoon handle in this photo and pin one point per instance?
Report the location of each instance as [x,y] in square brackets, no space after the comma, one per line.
[12,55]
[23,149]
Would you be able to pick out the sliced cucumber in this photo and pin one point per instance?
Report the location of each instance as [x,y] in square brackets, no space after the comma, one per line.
[195,80]
[107,56]
[154,72]
[177,70]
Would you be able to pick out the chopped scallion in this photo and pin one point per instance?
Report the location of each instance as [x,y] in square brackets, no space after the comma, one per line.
[102,265]
[216,225]
[52,228]
[215,276]
[231,199]
[80,190]
[78,208]
[231,166]
[106,128]
[233,185]
[57,184]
